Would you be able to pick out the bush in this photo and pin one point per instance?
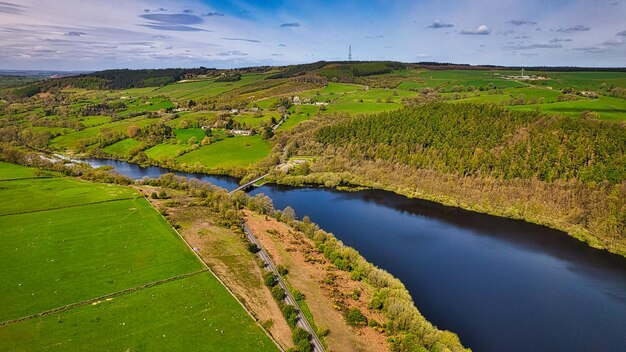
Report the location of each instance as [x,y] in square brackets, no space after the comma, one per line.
[253,248]
[278,293]
[282,270]
[301,338]
[270,279]
[291,315]
[297,295]
[356,318]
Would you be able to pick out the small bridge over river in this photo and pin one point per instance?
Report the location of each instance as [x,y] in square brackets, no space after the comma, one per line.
[248,185]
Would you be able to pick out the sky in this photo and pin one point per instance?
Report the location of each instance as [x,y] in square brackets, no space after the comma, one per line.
[95,35]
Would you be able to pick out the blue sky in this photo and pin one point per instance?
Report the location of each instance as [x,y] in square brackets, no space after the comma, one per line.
[88,34]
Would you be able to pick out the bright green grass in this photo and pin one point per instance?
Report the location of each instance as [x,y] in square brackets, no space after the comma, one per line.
[52,258]
[121,148]
[45,193]
[52,130]
[250,121]
[449,78]
[373,101]
[331,91]
[191,314]
[265,103]
[230,152]
[609,108]
[299,113]
[183,135]
[90,121]
[11,171]
[72,140]
[165,150]
[205,88]
[190,118]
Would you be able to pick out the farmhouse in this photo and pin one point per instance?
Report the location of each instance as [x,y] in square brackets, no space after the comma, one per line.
[243,132]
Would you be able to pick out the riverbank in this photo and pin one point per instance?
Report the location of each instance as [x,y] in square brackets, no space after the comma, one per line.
[510,200]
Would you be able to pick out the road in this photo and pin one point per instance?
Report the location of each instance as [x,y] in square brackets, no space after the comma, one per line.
[302,321]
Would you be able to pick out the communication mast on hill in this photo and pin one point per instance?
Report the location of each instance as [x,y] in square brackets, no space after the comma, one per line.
[349,53]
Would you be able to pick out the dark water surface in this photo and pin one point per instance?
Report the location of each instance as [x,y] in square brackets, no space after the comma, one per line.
[135,171]
[501,284]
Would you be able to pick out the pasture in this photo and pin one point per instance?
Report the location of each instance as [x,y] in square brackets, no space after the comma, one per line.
[65,241]
[241,151]
[120,149]
[191,314]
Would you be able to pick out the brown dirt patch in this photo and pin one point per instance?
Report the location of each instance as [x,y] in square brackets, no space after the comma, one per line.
[310,272]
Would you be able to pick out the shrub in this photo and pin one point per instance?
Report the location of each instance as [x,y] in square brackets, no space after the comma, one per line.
[282,270]
[290,314]
[301,338]
[253,248]
[278,293]
[270,279]
[356,318]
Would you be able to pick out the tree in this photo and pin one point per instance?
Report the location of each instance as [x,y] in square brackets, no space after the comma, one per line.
[270,279]
[278,293]
[289,213]
[133,131]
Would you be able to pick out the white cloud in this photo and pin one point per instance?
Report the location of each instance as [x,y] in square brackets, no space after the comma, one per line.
[481,30]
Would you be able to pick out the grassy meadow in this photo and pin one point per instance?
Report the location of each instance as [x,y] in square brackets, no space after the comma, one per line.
[191,314]
[240,151]
[64,241]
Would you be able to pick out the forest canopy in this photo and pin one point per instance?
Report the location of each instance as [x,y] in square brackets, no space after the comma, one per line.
[487,140]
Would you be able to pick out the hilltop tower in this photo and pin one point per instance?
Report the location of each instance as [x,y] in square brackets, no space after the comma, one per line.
[349,53]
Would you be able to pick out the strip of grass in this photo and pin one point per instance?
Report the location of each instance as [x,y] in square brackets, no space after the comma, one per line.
[191,314]
[39,194]
[230,152]
[52,258]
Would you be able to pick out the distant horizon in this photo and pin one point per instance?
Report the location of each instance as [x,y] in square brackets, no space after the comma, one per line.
[92,35]
[425,63]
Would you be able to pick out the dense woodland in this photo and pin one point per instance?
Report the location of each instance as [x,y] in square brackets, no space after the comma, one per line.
[486,140]
[567,173]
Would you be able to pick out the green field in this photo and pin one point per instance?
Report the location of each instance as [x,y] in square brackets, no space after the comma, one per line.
[74,241]
[192,314]
[183,135]
[47,193]
[230,152]
[205,88]
[121,148]
[165,150]
[10,171]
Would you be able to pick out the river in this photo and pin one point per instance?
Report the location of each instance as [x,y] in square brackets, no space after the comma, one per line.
[501,284]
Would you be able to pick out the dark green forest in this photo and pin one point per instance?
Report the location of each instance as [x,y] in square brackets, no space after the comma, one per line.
[487,140]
